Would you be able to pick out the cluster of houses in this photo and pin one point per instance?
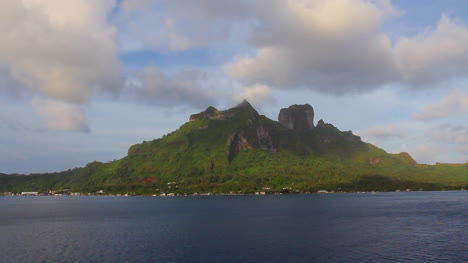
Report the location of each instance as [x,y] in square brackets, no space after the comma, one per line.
[20,194]
[50,193]
[101,192]
[174,185]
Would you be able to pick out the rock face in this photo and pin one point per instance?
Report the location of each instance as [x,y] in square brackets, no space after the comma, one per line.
[252,133]
[237,144]
[250,130]
[321,124]
[251,138]
[326,133]
[297,117]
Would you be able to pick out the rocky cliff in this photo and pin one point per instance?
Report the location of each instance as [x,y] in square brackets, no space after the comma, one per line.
[297,117]
[254,132]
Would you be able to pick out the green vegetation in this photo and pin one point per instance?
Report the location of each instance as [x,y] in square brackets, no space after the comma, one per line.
[238,150]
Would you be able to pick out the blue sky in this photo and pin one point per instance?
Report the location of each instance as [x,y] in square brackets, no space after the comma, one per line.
[82,80]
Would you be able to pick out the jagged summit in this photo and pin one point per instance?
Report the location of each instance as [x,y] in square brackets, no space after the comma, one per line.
[211,110]
[244,104]
[297,117]
[215,114]
[294,131]
[322,124]
[210,113]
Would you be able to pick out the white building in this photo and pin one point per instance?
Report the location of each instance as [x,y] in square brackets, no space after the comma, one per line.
[29,193]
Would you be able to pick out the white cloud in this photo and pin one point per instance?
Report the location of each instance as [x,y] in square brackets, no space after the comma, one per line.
[383,132]
[155,87]
[337,46]
[255,94]
[455,102]
[61,49]
[61,116]
[333,46]
[435,55]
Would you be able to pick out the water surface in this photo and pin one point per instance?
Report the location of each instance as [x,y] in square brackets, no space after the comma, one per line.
[382,227]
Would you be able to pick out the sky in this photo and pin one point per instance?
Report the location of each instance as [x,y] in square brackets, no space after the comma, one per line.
[83,80]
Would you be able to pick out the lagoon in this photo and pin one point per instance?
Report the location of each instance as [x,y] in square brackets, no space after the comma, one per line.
[351,227]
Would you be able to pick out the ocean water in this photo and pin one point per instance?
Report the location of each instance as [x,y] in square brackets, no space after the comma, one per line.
[382,227]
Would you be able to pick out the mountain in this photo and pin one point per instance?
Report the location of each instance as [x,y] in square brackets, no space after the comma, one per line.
[239,150]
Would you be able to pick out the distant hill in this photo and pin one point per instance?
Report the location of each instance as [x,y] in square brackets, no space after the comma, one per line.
[239,150]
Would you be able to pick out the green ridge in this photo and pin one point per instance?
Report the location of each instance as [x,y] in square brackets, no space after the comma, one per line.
[238,150]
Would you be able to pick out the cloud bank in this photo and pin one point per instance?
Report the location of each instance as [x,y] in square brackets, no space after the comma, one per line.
[256,94]
[68,51]
[455,102]
[331,46]
[61,116]
[60,50]
[338,47]
[436,55]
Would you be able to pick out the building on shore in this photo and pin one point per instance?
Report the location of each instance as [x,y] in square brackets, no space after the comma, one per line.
[29,193]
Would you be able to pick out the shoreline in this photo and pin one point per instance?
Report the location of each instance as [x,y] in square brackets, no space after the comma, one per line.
[217,194]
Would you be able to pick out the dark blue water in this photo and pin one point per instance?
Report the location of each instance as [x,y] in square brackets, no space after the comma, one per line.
[382,227]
